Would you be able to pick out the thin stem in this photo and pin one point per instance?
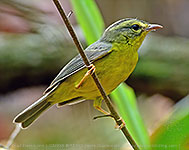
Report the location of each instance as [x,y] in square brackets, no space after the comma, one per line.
[13,136]
[94,76]
[69,14]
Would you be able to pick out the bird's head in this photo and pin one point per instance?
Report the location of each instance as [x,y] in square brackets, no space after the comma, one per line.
[129,31]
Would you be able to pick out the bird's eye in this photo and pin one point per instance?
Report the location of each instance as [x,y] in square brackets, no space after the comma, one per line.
[135,27]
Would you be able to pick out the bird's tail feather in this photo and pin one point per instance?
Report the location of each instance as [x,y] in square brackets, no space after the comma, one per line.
[30,114]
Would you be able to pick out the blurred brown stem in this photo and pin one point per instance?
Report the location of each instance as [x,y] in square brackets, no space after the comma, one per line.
[94,76]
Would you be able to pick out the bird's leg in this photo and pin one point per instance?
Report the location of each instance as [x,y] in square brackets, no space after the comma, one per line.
[102,110]
[89,72]
[102,116]
[97,104]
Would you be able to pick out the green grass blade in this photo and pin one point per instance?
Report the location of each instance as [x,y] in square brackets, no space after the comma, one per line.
[173,134]
[89,18]
[125,100]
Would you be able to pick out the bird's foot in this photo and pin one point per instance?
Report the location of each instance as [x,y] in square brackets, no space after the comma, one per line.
[121,125]
[102,110]
[89,72]
[103,116]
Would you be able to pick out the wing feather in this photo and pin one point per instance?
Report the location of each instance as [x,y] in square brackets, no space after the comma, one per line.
[95,51]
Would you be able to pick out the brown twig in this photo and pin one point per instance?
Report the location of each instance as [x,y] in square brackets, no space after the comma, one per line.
[94,76]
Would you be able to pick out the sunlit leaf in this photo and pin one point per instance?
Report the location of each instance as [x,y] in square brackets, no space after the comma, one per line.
[173,134]
[125,100]
[89,18]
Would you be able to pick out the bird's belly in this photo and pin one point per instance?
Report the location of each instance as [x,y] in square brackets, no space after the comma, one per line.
[111,72]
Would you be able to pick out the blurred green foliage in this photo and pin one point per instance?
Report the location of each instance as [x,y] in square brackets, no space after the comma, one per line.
[173,134]
[89,18]
[25,58]
[163,66]
[125,100]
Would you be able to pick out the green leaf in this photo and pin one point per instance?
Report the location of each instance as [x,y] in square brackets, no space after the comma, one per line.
[173,134]
[125,100]
[89,18]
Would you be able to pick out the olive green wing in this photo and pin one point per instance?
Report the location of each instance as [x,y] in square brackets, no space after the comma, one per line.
[95,51]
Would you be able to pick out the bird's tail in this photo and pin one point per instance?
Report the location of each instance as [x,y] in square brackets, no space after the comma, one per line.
[30,114]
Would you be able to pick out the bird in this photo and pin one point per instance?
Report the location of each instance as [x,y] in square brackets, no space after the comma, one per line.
[113,58]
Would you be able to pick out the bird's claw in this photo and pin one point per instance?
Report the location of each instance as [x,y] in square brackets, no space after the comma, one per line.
[102,116]
[89,72]
[121,125]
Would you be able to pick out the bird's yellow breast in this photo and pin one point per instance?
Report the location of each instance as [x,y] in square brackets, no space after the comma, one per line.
[112,69]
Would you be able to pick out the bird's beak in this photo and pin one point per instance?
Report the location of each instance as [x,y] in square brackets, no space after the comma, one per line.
[152,27]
